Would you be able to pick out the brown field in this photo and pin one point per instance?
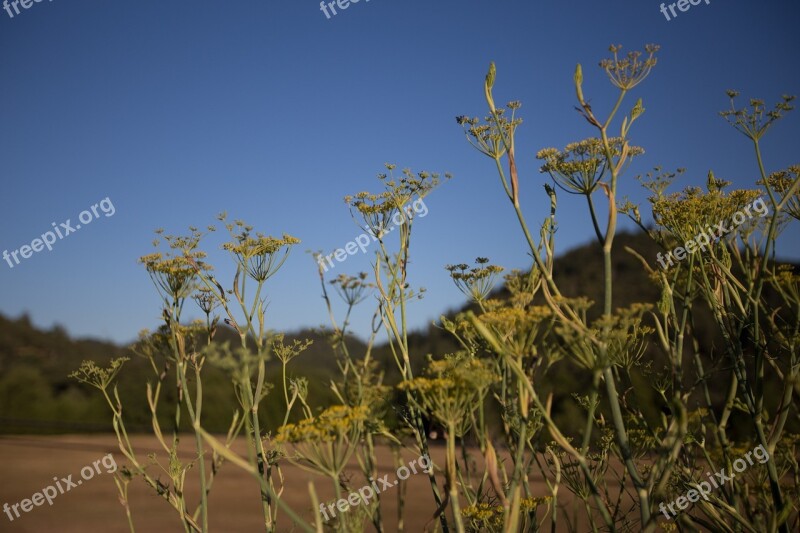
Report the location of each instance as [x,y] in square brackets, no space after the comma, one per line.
[29,463]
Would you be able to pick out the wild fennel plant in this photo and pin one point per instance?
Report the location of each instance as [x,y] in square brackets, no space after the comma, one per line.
[622,462]
[660,457]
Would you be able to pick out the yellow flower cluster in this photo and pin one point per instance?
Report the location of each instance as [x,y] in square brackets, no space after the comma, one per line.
[98,377]
[453,388]
[377,210]
[581,165]
[529,504]
[247,246]
[485,515]
[628,71]
[331,424]
[174,276]
[258,255]
[684,215]
[782,183]
[477,282]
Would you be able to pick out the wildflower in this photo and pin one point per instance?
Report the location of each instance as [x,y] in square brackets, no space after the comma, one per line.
[206,300]
[173,276]
[332,424]
[754,122]
[484,516]
[98,377]
[579,168]
[686,214]
[286,352]
[353,290]
[492,137]
[452,389]
[782,182]
[174,273]
[377,210]
[476,283]
[521,330]
[629,71]
[260,255]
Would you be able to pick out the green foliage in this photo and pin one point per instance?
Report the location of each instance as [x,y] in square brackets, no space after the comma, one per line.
[606,374]
[734,288]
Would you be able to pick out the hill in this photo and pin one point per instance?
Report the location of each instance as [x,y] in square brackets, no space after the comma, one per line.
[37,396]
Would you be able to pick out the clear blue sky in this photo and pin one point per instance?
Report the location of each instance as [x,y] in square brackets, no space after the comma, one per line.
[177,110]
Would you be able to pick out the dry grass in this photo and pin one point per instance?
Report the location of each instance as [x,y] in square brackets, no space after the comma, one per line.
[29,463]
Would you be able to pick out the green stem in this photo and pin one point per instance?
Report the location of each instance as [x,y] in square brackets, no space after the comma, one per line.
[587,433]
[452,477]
[195,418]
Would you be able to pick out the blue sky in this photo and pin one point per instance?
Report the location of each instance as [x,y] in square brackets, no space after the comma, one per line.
[178,110]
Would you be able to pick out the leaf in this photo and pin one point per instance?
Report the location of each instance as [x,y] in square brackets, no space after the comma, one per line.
[491,468]
[226,452]
[490,76]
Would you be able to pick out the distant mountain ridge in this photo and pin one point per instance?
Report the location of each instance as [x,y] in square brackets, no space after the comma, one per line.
[37,396]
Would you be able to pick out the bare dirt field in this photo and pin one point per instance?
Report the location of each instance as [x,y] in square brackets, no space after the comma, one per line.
[28,464]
